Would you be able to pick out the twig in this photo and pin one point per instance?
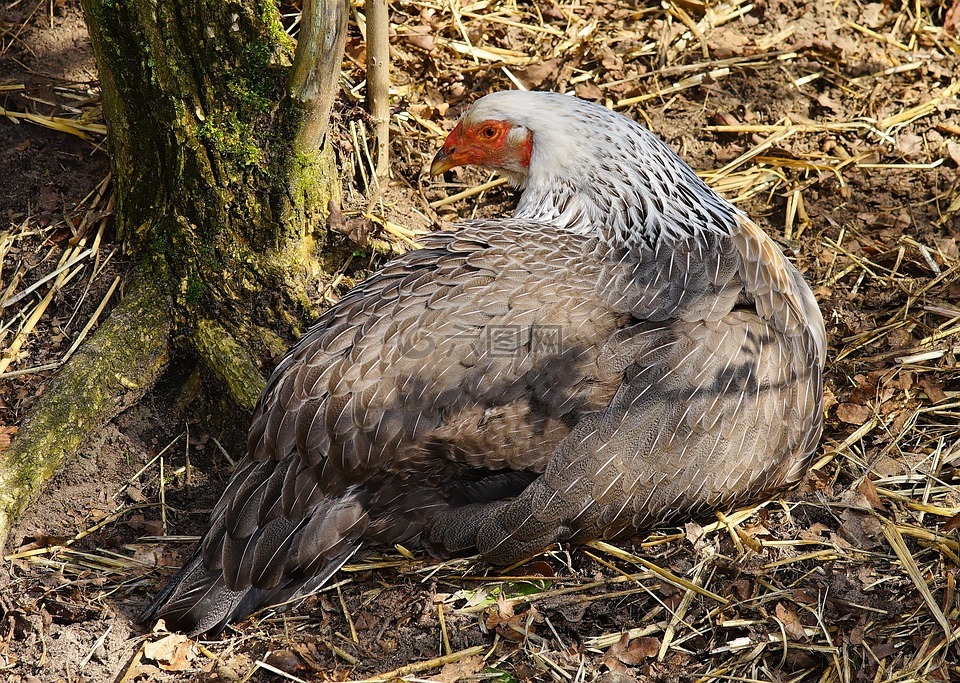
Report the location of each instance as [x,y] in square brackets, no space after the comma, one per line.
[312,82]
[378,79]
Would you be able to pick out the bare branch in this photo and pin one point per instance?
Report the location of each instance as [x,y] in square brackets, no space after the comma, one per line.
[312,83]
[378,79]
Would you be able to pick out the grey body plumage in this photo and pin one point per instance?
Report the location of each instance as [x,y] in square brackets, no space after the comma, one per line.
[628,350]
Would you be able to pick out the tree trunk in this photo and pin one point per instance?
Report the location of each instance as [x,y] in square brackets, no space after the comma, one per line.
[223,179]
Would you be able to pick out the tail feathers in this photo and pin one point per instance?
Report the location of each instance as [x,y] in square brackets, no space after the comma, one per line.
[197,599]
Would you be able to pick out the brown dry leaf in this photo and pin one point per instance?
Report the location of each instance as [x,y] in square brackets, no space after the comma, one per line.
[787,615]
[5,436]
[49,198]
[815,532]
[948,245]
[421,37]
[136,495]
[861,528]
[511,626]
[952,523]
[872,16]
[148,672]
[464,669]
[151,527]
[829,399]
[853,413]
[430,112]
[823,99]
[953,151]
[425,43]
[728,42]
[909,144]
[632,652]
[234,668]
[743,588]
[951,20]
[870,494]
[147,555]
[504,608]
[589,90]
[933,389]
[171,653]
[535,75]
[900,339]
[365,621]
[694,533]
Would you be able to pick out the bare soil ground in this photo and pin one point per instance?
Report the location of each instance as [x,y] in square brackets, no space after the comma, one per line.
[836,125]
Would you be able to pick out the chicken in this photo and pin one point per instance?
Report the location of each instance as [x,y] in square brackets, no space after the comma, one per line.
[628,350]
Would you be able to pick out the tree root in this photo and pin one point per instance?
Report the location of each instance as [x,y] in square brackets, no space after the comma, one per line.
[115,368]
[229,362]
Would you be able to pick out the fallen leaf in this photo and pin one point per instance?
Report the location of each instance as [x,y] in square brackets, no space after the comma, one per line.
[744,588]
[909,144]
[632,652]
[872,16]
[694,532]
[461,670]
[829,399]
[425,43]
[588,90]
[147,555]
[933,389]
[951,20]
[171,653]
[869,491]
[535,75]
[5,436]
[824,100]
[952,523]
[787,615]
[853,413]
[860,528]
[815,532]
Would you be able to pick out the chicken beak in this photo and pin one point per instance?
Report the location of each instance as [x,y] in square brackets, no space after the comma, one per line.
[447,157]
[443,162]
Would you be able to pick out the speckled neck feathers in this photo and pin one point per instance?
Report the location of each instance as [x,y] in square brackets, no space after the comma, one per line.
[593,170]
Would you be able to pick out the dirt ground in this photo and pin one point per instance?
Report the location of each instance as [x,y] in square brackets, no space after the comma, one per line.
[835,125]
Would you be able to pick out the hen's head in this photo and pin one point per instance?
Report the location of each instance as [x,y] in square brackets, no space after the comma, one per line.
[520,134]
[584,167]
[489,136]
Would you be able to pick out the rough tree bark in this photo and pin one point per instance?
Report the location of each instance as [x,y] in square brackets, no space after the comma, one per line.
[223,179]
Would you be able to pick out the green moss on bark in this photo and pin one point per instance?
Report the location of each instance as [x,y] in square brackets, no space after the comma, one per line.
[111,372]
[229,362]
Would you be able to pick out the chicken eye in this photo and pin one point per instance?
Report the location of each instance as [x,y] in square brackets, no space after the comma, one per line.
[489,132]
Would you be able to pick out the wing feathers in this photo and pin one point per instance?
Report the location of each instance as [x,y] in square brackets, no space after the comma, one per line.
[508,386]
